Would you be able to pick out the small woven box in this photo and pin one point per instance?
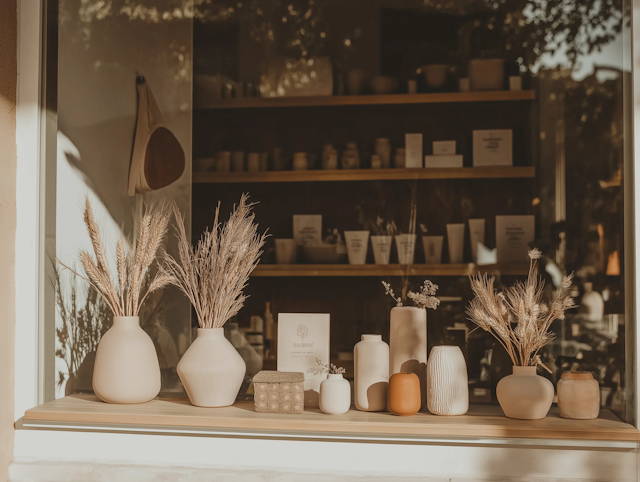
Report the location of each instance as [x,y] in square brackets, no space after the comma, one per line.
[279,392]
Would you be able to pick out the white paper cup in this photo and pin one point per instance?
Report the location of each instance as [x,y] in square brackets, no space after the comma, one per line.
[432,246]
[286,250]
[455,237]
[357,245]
[476,234]
[406,246]
[381,248]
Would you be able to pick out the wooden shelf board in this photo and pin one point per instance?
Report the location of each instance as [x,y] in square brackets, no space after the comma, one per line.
[347,100]
[481,421]
[497,172]
[304,270]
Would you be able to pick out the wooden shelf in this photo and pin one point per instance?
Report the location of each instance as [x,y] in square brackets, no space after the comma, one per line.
[496,172]
[347,100]
[309,270]
[479,422]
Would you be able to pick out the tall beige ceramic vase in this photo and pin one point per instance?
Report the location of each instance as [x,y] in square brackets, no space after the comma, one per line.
[212,370]
[371,368]
[408,344]
[126,369]
[447,381]
[525,394]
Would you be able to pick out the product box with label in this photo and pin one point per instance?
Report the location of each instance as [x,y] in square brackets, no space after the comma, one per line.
[514,236]
[307,229]
[413,150]
[444,148]
[493,148]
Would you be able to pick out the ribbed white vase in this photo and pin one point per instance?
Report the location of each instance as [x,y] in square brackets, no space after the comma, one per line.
[447,381]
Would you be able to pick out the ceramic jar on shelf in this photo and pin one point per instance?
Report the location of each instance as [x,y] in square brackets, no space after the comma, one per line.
[447,381]
[404,394]
[578,396]
[525,395]
[335,395]
[371,365]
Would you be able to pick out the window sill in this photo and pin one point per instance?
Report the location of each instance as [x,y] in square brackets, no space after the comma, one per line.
[178,416]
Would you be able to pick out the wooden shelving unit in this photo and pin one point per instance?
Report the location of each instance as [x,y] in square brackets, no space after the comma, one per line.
[319,270]
[497,172]
[346,100]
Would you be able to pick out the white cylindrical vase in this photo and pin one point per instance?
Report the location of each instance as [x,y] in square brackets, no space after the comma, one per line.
[381,248]
[335,395]
[126,369]
[212,370]
[408,344]
[447,381]
[371,366]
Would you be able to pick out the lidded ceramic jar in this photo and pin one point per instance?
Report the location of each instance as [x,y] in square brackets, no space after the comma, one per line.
[578,396]
[404,394]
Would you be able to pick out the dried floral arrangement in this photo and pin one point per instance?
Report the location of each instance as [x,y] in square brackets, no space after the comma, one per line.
[125,293]
[214,273]
[425,298]
[380,228]
[328,368]
[518,317]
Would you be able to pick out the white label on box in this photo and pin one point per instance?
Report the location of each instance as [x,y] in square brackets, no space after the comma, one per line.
[303,339]
[413,152]
[514,235]
[493,148]
[443,161]
[307,229]
[444,148]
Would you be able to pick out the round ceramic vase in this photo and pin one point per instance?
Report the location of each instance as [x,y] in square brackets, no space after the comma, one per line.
[335,395]
[578,396]
[447,382]
[404,394]
[212,370]
[525,395]
[371,366]
[126,369]
[408,344]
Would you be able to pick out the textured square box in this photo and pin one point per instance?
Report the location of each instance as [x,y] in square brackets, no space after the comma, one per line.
[278,392]
[493,148]
[444,148]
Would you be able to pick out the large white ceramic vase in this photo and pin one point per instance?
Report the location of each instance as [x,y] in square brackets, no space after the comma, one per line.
[525,395]
[371,374]
[408,344]
[212,370]
[447,381]
[126,369]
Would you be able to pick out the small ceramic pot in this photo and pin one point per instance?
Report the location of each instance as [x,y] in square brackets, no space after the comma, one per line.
[578,396]
[404,394]
[525,395]
[335,395]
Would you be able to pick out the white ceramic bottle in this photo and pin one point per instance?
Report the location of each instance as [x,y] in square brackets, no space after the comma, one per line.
[335,395]
[525,395]
[126,369]
[408,344]
[447,381]
[212,370]
[371,364]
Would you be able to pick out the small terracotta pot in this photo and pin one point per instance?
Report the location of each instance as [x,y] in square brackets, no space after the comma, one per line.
[404,394]
[578,396]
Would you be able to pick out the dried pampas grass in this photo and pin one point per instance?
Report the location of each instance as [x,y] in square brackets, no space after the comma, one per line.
[519,318]
[123,294]
[214,273]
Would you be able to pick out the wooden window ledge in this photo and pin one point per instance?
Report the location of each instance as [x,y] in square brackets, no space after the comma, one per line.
[480,422]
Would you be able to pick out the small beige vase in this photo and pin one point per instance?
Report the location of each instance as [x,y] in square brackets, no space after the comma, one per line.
[525,395]
[578,396]
[212,370]
[126,369]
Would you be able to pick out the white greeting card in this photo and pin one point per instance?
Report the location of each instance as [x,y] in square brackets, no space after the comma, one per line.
[493,148]
[514,235]
[303,338]
[307,229]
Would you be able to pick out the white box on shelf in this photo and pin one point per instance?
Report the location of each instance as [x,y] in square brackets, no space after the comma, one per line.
[493,147]
[303,339]
[444,148]
[307,229]
[413,146]
[514,235]
[443,161]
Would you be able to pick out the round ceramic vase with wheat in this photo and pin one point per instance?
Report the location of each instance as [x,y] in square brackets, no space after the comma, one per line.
[212,370]
[578,396]
[408,344]
[335,394]
[371,367]
[525,395]
[447,382]
[126,369]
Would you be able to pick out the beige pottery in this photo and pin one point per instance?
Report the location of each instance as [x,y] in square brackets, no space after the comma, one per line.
[578,396]
[525,395]
[447,381]
[371,370]
[212,370]
[126,368]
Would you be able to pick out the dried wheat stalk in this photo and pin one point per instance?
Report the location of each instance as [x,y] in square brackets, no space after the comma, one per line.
[123,295]
[214,272]
[519,318]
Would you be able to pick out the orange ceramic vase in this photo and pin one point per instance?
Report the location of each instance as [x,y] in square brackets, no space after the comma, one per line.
[404,394]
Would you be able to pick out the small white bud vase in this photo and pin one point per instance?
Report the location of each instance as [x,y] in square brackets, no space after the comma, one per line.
[335,395]
[371,366]
[447,381]
[525,395]
[578,396]
[408,344]
[212,370]
[126,369]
